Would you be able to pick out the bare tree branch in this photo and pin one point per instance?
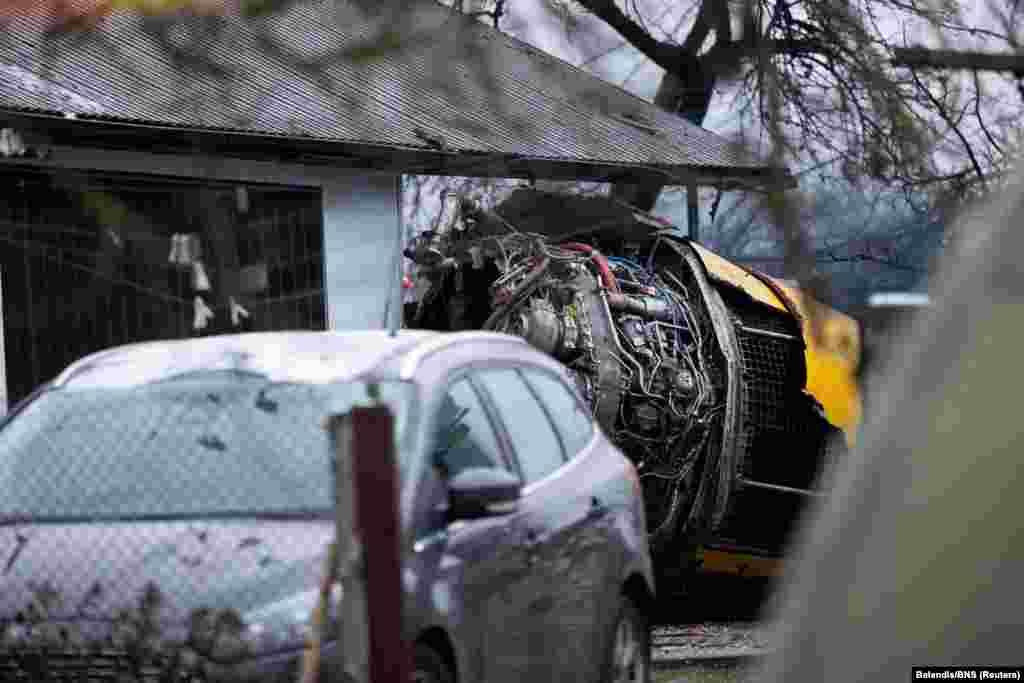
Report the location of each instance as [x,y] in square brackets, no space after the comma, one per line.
[941,110]
[955,59]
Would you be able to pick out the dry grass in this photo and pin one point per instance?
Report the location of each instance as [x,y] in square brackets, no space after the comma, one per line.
[702,674]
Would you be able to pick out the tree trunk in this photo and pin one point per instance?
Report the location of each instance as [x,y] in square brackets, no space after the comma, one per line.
[689,80]
[688,99]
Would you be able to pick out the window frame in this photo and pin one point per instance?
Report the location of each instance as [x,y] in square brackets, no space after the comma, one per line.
[516,366]
[557,378]
[493,420]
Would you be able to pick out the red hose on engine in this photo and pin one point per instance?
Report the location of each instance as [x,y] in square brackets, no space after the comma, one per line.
[607,276]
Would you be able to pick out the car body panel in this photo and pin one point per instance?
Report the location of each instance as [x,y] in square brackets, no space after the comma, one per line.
[578,592]
[281,356]
[590,567]
[214,563]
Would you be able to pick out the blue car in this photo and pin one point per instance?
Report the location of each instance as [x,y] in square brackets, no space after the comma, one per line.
[166,508]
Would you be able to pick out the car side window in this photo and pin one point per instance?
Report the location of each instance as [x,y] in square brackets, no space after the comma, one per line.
[463,434]
[537,446]
[571,420]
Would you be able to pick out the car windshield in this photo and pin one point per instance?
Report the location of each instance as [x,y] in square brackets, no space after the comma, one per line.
[202,444]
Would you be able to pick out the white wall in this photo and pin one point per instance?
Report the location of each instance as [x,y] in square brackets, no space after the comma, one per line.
[361,217]
[361,228]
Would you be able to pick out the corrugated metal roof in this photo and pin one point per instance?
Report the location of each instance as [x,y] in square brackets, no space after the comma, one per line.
[453,81]
[562,215]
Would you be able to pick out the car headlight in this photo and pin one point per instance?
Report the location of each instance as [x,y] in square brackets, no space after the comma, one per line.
[287,624]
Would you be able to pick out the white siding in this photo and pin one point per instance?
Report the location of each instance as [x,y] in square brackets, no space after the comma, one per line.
[360,232]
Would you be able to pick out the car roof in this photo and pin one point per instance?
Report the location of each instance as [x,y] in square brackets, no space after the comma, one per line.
[300,356]
[284,356]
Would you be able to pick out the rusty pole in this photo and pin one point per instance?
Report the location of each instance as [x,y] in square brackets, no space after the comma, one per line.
[377,523]
[342,566]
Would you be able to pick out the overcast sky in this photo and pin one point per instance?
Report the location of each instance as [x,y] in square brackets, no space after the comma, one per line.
[597,48]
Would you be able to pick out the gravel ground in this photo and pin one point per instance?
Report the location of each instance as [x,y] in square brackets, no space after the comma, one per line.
[718,624]
[710,640]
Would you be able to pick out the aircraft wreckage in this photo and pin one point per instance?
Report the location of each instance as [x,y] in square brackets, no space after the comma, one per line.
[704,373]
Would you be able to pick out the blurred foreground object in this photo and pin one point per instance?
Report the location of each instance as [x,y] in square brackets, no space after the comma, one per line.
[883,321]
[915,559]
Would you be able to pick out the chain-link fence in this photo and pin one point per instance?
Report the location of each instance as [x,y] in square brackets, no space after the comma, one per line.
[160,525]
[173,520]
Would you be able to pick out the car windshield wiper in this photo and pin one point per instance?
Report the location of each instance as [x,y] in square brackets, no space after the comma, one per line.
[21,540]
[15,519]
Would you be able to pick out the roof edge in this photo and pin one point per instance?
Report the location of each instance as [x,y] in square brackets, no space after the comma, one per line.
[104,132]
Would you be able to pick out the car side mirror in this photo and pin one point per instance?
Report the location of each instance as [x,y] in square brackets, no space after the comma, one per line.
[482,491]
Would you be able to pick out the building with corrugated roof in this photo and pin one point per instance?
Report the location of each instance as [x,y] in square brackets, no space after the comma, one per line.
[181,174]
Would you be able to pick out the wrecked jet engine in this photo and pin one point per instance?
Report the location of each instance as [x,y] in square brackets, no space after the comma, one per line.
[700,383]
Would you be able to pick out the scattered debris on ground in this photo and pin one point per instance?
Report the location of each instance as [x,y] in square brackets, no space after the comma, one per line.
[710,641]
[703,673]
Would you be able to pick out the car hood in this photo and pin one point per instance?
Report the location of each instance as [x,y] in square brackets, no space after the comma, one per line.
[91,578]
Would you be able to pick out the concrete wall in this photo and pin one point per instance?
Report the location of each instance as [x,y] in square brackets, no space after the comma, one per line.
[361,217]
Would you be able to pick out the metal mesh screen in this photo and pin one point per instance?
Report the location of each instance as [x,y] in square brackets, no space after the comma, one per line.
[782,440]
[169,530]
[91,261]
[771,402]
[767,367]
[166,531]
[189,516]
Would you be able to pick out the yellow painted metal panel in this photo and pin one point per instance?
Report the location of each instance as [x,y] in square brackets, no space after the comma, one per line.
[723,562]
[832,355]
[730,273]
[832,339]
